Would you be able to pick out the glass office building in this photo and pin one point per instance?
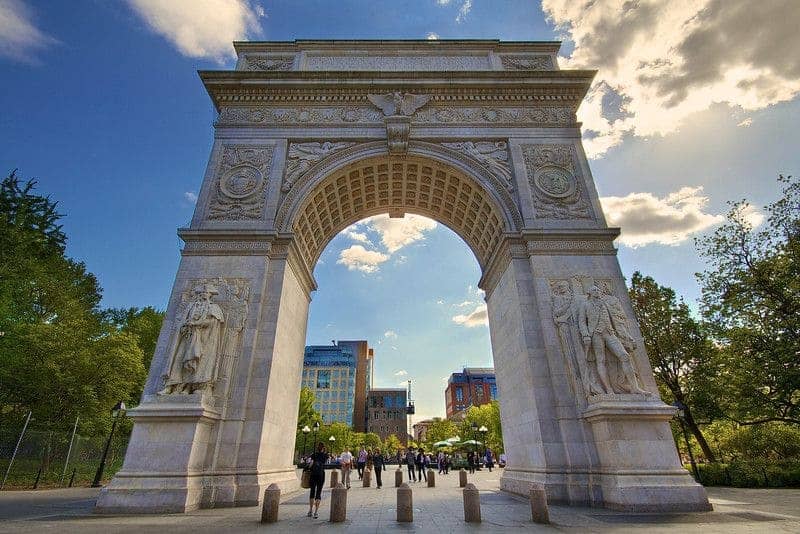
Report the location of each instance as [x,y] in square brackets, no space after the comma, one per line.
[329,371]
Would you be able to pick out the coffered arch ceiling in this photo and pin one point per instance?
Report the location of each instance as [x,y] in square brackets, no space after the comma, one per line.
[398,185]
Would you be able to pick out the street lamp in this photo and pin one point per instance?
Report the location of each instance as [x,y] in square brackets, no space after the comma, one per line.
[483,430]
[305,430]
[332,440]
[115,411]
[316,429]
[681,407]
[474,428]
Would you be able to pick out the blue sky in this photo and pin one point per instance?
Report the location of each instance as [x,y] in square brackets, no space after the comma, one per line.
[695,104]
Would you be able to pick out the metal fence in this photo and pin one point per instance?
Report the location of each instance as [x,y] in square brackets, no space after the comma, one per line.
[42,458]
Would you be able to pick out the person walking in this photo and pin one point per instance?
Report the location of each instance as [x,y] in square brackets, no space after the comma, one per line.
[440,461]
[447,461]
[346,463]
[410,459]
[471,462]
[317,479]
[489,459]
[361,462]
[379,463]
[419,461]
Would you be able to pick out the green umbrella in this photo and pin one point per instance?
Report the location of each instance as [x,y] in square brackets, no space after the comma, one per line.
[472,442]
[454,439]
[442,444]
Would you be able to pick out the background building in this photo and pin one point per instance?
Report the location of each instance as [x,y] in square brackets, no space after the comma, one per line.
[339,376]
[421,430]
[471,387]
[386,412]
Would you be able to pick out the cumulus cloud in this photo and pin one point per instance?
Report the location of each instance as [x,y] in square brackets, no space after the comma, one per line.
[399,232]
[357,258]
[391,334]
[477,317]
[202,28]
[401,372]
[432,36]
[20,39]
[660,61]
[745,123]
[463,11]
[646,218]
[352,233]
[190,196]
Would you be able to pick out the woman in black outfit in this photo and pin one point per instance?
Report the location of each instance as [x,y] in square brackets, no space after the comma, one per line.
[379,462]
[317,479]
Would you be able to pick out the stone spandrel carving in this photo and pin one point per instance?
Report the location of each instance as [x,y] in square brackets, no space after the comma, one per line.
[492,154]
[397,103]
[211,318]
[302,156]
[595,337]
[537,62]
[240,189]
[268,63]
[555,185]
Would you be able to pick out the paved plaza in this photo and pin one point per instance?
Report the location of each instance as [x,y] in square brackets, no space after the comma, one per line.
[435,510]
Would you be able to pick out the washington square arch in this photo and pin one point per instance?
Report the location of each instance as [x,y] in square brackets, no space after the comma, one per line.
[481,136]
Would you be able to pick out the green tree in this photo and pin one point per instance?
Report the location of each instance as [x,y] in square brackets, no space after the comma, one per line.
[684,360]
[58,357]
[306,414]
[485,415]
[440,430]
[372,441]
[391,445]
[143,323]
[751,299]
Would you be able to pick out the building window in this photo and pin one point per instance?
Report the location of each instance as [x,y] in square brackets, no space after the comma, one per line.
[493,391]
[459,395]
[323,379]
[479,393]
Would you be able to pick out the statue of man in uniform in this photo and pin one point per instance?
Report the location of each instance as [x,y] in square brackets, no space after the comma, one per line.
[193,363]
[604,331]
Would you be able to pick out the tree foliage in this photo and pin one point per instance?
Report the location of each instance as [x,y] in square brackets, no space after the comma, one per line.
[440,430]
[751,299]
[485,415]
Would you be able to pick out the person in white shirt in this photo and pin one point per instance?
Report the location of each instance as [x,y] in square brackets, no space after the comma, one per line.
[346,463]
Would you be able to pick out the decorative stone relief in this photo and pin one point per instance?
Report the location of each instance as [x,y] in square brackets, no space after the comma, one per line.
[241,187]
[207,339]
[555,185]
[398,109]
[268,63]
[231,115]
[397,63]
[546,116]
[595,337]
[538,62]
[302,156]
[492,154]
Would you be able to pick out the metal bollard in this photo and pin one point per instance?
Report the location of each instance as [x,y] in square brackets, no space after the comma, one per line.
[405,504]
[539,511]
[431,479]
[398,478]
[334,477]
[366,481]
[462,478]
[338,504]
[472,504]
[272,498]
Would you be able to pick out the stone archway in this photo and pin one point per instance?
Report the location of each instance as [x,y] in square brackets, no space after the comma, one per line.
[479,135]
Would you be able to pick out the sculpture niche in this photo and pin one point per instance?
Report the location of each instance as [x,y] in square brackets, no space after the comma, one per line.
[193,366]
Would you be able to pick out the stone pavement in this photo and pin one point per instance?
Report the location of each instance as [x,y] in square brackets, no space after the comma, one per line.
[435,510]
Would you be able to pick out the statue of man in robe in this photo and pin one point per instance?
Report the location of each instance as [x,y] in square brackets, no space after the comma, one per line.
[194,361]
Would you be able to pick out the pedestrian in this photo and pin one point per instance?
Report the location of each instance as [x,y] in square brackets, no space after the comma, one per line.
[440,461]
[369,459]
[379,463]
[489,459]
[419,461]
[361,462]
[317,479]
[346,463]
[471,462]
[447,461]
[410,463]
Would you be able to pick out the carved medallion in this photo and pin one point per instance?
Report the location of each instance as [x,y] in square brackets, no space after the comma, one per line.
[268,63]
[240,182]
[240,190]
[555,181]
[555,185]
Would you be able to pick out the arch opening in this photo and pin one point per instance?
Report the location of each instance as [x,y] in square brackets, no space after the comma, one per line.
[398,185]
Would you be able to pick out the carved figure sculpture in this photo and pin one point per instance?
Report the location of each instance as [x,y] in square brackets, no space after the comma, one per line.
[493,154]
[604,329]
[302,156]
[397,103]
[193,365]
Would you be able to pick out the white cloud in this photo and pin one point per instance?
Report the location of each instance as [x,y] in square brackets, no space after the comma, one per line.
[401,372]
[399,232]
[393,347]
[463,304]
[440,301]
[20,39]
[646,218]
[351,232]
[391,334]
[477,317]
[463,11]
[660,61]
[745,123]
[357,258]
[751,215]
[202,28]
[190,196]
[432,36]
[442,2]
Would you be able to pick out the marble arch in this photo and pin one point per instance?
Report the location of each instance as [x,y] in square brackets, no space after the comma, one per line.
[479,135]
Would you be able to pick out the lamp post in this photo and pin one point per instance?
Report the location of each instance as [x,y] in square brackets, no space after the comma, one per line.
[115,411]
[474,428]
[483,430]
[679,413]
[316,429]
[305,430]
[332,440]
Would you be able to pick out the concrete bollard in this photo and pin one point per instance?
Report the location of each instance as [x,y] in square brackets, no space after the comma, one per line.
[405,504]
[367,480]
[539,511]
[431,479]
[338,504]
[398,478]
[334,477]
[462,478]
[472,504]
[272,498]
